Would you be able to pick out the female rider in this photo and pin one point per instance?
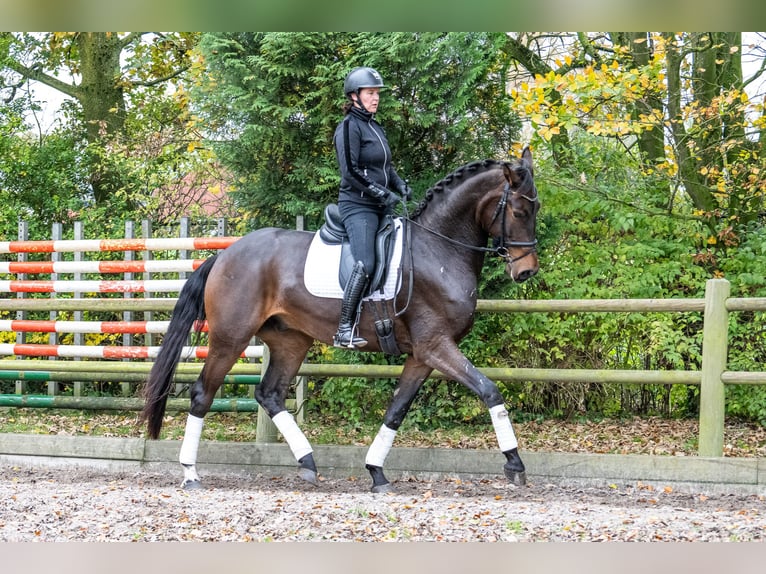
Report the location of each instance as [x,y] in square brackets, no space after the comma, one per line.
[367,177]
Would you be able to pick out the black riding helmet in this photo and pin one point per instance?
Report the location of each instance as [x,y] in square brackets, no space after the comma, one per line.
[363,77]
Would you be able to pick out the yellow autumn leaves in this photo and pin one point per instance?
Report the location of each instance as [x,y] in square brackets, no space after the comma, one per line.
[598,99]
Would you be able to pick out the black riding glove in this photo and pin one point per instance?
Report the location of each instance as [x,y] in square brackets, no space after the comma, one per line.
[392,199]
[378,191]
[406,192]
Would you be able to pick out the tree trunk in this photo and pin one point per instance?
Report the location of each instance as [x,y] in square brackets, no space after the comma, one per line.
[651,142]
[102,101]
[700,194]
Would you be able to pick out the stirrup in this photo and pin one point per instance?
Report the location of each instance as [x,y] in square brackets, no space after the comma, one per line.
[345,339]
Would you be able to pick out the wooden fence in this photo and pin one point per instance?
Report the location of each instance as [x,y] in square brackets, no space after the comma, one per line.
[130,362]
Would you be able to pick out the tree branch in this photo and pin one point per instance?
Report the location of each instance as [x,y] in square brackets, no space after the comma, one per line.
[34,73]
[155,81]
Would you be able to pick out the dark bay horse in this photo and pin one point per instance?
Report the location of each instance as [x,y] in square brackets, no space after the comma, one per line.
[256,287]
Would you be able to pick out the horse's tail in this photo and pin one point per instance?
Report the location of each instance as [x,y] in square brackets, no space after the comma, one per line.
[189,308]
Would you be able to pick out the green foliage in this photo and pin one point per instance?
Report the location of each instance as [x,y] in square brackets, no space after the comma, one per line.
[748,403]
[355,400]
[274,99]
[40,180]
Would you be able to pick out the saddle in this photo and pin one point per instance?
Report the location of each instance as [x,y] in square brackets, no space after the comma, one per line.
[334,233]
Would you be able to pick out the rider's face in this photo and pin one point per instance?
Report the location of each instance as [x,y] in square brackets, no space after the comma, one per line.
[369,98]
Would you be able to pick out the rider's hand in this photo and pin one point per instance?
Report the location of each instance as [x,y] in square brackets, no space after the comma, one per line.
[378,191]
[392,199]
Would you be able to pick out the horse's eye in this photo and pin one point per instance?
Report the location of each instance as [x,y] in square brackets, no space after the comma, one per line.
[519,214]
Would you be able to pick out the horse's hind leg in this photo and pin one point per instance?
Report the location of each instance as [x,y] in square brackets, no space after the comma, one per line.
[287,349]
[413,375]
[202,392]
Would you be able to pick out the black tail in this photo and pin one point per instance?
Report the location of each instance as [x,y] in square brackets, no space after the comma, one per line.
[189,308]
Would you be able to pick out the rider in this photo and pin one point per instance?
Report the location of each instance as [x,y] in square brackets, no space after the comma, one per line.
[366,180]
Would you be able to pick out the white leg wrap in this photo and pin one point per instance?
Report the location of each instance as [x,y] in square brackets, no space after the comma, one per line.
[503,428]
[190,443]
[379,448]
[299,444]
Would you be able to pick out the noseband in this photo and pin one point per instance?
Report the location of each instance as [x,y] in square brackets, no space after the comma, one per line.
[502,244]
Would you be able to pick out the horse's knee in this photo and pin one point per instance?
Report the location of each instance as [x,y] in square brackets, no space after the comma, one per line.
[260,399]
[491,395]
[484,387]
[398,409]
[394,420]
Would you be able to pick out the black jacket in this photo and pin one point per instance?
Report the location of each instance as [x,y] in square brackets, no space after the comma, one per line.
[364,158]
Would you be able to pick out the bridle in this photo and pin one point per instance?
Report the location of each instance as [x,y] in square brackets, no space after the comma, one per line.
[500,244]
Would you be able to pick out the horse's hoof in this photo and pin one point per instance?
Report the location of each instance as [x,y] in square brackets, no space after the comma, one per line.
[191,485]
[517,477]
[309,476]
[382,488]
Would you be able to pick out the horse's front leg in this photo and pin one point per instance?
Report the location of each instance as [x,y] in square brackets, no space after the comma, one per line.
[413,375]
[450,361]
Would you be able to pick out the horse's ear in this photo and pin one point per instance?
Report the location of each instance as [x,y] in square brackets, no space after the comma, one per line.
[526,155]
[509,174]
[526,159]
[512,175]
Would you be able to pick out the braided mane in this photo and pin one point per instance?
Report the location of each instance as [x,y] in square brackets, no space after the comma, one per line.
[455,178]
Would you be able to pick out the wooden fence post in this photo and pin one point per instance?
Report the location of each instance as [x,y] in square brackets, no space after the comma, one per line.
[714,354]
[127,338]
[57,233]
[21,385]
[78,232]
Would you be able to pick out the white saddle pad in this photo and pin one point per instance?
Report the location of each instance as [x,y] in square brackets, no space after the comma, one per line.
[323,261]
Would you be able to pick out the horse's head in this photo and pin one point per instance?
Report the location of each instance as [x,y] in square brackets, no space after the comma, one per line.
[513,220]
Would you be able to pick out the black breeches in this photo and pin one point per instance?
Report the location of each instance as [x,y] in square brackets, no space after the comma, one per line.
[361,225]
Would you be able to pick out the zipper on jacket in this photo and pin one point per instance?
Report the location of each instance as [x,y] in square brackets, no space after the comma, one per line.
[385,155]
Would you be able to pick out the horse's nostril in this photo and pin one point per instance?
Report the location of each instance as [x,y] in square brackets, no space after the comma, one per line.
[526,274]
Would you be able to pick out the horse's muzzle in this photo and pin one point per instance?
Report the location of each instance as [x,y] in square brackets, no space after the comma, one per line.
[522,267]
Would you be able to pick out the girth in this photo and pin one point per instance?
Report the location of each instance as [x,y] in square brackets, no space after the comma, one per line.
[334,233]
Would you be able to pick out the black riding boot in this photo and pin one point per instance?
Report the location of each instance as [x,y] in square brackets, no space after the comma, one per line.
[349,310]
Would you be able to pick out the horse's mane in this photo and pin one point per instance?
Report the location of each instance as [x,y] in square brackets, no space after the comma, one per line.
[458,176]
